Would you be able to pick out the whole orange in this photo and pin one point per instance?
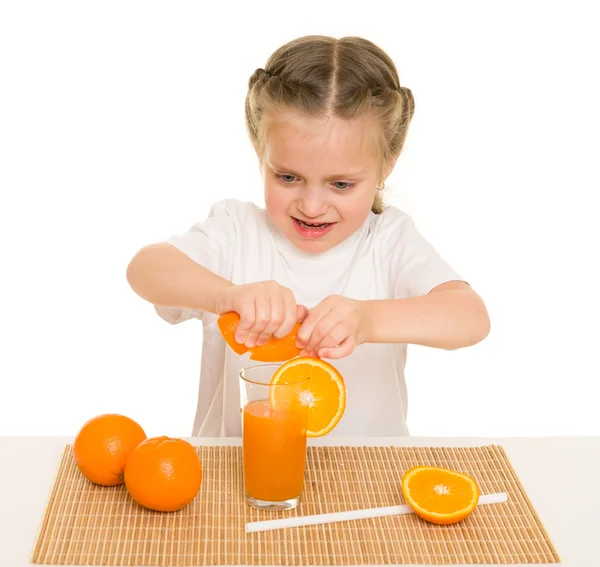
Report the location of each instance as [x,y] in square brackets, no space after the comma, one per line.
[163,474]
[102,446]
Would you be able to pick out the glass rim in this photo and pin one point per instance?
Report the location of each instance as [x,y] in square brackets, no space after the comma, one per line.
[267,384]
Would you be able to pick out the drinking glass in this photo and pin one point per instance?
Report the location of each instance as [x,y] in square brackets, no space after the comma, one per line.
[274,419]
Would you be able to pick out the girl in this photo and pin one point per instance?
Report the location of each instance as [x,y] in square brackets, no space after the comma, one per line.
[328,119]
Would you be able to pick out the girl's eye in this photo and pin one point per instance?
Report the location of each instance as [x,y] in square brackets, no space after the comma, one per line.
[343,185]
[285,178]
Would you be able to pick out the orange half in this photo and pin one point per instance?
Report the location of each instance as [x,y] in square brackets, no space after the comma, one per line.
[227,325]
[439,495]
[324,393]
[274,350]
[277,350]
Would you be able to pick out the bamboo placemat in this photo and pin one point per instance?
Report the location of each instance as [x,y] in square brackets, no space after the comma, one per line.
[85,524]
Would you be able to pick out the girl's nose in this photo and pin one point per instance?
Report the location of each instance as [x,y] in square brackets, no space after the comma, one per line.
[313,202]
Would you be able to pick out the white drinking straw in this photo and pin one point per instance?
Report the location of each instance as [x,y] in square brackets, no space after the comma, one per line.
[265,525]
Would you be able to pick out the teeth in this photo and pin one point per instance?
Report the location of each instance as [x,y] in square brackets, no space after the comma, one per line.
[306,225]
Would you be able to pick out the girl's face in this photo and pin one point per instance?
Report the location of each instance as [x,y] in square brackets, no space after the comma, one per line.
[320,177]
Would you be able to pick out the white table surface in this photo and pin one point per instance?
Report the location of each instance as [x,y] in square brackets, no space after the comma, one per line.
[561,476]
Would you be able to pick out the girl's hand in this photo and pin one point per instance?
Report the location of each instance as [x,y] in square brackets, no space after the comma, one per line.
[334,328]
[266,310]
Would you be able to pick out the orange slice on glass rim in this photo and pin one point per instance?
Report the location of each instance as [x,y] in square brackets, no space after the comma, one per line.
[439,495]
[274,350]
[324,392]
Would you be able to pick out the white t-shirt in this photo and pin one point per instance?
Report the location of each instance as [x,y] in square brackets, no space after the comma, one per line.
[386,258]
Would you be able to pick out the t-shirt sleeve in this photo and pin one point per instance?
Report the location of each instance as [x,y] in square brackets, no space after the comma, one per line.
[211,244]
[415,266]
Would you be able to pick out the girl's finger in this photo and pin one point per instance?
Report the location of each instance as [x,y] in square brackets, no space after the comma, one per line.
[277,307]
[309,324]
[289,314]
[262,316]
[301,313]
[336,335]
[322,331]
[246,321]
[343,349]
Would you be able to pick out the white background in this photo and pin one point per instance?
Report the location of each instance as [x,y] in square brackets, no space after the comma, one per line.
[121,122]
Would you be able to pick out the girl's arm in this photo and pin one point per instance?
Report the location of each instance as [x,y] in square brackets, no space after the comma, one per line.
[450,316]
[163,275]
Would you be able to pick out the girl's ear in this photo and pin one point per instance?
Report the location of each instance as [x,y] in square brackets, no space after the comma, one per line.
[388,169]
[384,173]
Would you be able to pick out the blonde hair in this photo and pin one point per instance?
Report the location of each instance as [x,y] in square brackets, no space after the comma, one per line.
[323,76]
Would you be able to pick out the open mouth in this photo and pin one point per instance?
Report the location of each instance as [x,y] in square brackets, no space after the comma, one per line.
[312,225]
[312,229]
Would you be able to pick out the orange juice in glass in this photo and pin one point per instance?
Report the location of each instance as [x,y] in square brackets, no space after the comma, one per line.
[274,422]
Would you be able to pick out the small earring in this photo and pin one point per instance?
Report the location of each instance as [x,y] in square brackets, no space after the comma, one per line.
[379,187]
